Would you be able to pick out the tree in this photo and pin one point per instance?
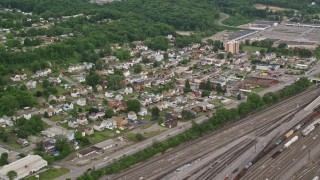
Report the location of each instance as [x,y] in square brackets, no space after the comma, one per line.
[282,45]
[12,174]
[4,159]
[205,93]
[187,115]
[229,55]
[137,68]
[8,104]
[187,87]
[221,56]
[78,135]
[109,113]
[239,96]
[219,88]
[158,43]
[262,52]
[92,79]
[133,105]
[155,112]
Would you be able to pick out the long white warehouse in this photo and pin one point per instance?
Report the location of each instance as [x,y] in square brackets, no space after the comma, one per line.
[24,167]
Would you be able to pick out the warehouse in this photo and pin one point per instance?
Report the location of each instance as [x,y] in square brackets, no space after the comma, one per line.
[24,167]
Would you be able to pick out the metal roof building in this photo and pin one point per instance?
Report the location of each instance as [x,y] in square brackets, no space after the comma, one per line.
[24,166]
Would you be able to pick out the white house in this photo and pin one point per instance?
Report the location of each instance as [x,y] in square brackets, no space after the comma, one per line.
[132,116]
[67,106]
[119,97]
[81,102]
[82,120]
[108,94]
[105,124]
[31,84]
[143,112]
[27,116]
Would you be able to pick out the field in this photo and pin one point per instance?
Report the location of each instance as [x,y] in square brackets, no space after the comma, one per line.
[51,173]
[253,48]
[274,8]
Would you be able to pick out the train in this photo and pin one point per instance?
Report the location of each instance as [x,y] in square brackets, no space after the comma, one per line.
[310,127]
[288,134]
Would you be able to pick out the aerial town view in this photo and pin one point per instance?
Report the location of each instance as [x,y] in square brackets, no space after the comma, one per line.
[159,90]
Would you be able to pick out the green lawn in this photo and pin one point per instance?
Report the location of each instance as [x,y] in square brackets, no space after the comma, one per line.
[152,134]
[51,173]
[253,48]
[101,136]
[258,89]
[145,126]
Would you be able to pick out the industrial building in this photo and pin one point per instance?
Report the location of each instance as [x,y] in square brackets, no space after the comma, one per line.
[24,167]
[232,46]
[262,25]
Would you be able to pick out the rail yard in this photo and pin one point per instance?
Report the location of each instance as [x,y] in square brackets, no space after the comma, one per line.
[232,149]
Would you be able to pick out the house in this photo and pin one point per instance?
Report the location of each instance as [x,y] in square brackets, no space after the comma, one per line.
[75,93]
[73,124]
[18,77]
[22,142]
[143,112]
[86,152]
[81,79]
[88,130]
[67,106]
[48,134]
[48,146]
[138,86]
[119,97]
[31,84]
[81,102]
[108,94]
[82,120]
[52,98]
[119,121]
[5,121]
[27,116]
[171,123]
[56,80]
[105,124]
[50,111]
[132,116]
[126,91]
[61,98]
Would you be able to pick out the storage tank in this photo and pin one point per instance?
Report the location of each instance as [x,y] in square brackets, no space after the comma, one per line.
[294,139]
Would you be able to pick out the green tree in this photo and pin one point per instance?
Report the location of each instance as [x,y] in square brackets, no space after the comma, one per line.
[187,115]
[4,159]
[11,174]
[122,54]
[137,68]
[205,93]
[187,87]
[155,112]
[221,56]
[8,104]
[133,105]
[158,43]
[92,79]
[238,96]
[78,135]
[109,113]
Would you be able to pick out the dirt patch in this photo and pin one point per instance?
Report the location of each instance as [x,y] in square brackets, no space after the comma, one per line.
[273,8]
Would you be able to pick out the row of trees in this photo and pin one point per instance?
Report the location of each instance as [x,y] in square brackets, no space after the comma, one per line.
[220,117]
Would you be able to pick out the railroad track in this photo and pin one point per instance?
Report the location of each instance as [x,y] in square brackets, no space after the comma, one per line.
[269,168]
[159,167]
[216,165]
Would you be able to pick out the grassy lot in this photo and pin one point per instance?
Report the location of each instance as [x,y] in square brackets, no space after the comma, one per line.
[274,8]
[145,126]
[58,117]
[101,136]
[217,103]
[152,134]
[253,48]
[12,141]
[51,173]
[258,89]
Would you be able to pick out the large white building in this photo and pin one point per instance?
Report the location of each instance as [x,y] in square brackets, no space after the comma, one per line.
[24,167]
